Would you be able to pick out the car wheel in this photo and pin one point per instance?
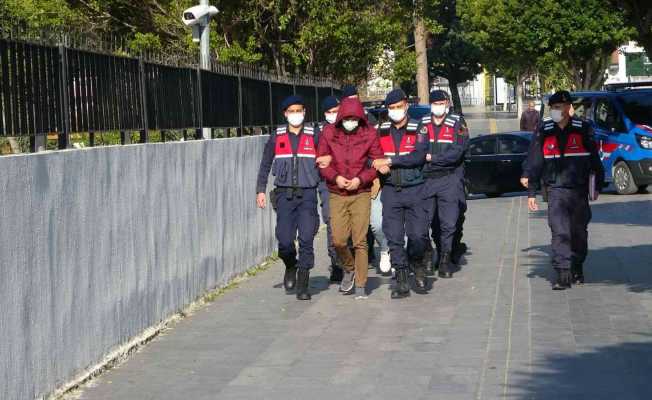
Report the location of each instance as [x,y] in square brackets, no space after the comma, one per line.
[493,194]
[623,180]
[642,189]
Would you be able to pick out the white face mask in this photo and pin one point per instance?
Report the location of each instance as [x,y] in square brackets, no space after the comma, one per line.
[331,117]
[350,124]
[295,119]
[438,109]
[396,115]
[556,115]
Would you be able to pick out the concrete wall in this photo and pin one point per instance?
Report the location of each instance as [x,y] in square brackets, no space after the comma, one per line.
[96,245]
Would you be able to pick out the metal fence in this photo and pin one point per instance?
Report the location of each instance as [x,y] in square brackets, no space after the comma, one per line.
[58,90]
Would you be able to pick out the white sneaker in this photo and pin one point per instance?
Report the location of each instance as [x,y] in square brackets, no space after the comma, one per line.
[385,264]
[348,281]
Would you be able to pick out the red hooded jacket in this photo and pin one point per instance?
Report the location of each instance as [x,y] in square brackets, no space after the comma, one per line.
[351,152]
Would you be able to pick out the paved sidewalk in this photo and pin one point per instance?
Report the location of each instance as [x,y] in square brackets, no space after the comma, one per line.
[494,331]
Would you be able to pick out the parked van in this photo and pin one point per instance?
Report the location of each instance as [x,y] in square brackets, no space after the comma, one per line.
[622,120]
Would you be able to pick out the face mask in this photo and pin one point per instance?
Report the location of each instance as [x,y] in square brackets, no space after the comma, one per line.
[397,115]
[438,109]
[295,119]
[331,117]
[556,115]
[350,124]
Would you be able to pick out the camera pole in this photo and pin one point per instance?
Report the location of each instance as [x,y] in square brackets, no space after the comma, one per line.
[204,54]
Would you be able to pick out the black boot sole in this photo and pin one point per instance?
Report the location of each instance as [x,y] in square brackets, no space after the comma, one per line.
[304,296]
[445,275]
[400,295]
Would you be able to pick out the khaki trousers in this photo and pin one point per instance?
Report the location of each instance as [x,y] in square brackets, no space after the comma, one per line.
[350,219]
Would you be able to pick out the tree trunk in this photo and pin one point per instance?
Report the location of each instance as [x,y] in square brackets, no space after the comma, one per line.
[423,83]
[519,95]
[455,95]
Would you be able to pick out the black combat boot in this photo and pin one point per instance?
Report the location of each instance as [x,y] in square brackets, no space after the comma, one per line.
[290,277]
[420,281]
[563,279]
[402,286]
[445,266]
[459,249]
[577,272]
[336,274]
[428,265]
[303,280]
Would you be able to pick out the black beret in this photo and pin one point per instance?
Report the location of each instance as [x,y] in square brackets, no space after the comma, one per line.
[395,96]
[438,95]
[561,96]
[349,90]
[291,100]
[329,102]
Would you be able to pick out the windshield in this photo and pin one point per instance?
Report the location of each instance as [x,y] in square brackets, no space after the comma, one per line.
[638,108]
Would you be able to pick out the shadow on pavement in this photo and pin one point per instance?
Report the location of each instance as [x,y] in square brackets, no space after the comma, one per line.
[603,266]
[620,371]
[629,213]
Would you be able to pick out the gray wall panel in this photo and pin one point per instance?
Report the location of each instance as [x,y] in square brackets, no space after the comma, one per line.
[97,245]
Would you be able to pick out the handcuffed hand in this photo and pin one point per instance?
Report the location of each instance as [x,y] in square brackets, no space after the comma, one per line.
[342,182]
[353,185]
[525,182]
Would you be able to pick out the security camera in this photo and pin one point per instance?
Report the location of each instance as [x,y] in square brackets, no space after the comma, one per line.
[198,15]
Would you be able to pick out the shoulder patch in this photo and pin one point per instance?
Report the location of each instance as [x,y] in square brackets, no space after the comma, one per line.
[423,130]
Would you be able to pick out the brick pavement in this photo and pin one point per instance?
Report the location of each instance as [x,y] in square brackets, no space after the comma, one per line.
[494,331]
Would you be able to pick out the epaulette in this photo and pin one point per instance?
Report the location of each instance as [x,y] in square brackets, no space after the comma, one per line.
[385,126]
[455,116]
[281,130]
[426,119]
[577,123]
[548,124]
[450,121]
[412,125]
[546,119]
[309,130]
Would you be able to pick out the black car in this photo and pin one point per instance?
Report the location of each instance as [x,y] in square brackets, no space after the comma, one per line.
[494,163]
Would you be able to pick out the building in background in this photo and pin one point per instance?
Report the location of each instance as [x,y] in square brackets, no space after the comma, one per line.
[629,63]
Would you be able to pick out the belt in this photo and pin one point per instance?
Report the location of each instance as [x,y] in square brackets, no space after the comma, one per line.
[440,173]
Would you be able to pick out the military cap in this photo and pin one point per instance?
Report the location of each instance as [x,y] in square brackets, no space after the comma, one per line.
[438,95]
[329,102]
[395,96]
[290,101]
[561,96]
[349,90]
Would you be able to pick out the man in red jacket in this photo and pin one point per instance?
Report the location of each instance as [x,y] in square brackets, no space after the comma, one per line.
[351,143]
